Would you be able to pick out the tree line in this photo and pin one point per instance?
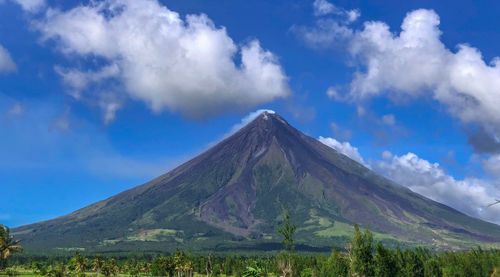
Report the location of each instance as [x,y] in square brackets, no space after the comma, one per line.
[362,257]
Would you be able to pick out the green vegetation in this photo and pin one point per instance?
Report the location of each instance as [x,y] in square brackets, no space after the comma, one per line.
[285,258]
[361,258]
[8,245]
[360,253]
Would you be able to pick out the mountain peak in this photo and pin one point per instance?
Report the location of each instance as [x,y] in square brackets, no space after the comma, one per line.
[233,194]
[265,114]
[269,117]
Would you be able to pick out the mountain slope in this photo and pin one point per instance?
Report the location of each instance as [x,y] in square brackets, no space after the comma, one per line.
[233,195]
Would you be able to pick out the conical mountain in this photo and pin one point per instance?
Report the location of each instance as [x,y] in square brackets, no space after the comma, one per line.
[232,196]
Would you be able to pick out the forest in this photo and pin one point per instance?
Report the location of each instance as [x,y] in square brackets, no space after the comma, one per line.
[361,257]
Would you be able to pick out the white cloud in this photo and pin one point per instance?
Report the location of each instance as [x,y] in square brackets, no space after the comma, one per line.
[469,195]
[343,147]
[6,63]
[353,15]
[31,5]
[333,94]
[326,33]
[78,80]
[109,104]
[333,30]
[183,65]
[389,59]
[323,7]
[416,63]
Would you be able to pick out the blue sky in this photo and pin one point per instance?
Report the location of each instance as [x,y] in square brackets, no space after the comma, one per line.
[97,98]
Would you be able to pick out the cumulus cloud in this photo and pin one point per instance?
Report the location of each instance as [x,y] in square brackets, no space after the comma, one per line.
[186,65]
[343,147]
[415,63]
[389,59]
[469,195]
[31,5]
[6,63]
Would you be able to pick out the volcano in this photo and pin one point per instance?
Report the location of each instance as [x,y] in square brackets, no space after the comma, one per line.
[233,195]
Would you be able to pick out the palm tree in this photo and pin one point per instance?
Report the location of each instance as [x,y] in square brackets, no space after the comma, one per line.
[287,230]
[110,268]
[97,264]
[8,245]
[208,267]
[79,264]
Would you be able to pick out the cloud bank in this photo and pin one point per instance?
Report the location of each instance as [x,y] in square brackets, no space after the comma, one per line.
[186,65]
[469,195]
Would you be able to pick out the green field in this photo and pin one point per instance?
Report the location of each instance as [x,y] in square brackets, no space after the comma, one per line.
[360,257]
